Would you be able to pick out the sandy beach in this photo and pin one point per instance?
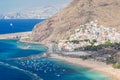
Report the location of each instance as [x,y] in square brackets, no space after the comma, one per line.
[98,66]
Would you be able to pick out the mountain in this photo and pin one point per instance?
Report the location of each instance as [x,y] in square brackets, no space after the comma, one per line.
[78,12]
[36,13]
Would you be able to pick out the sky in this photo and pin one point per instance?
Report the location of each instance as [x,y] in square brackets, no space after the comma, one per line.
[14,5]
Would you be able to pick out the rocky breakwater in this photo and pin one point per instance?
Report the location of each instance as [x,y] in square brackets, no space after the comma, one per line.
[20,35]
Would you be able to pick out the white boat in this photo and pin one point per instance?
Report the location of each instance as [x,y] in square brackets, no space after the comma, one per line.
[11,24]
[25,47]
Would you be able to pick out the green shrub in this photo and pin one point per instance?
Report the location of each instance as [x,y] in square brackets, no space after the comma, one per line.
[75,41]
[86,40]
[116,65]
[94,40]
[84,57]
[68,38]
[108,43]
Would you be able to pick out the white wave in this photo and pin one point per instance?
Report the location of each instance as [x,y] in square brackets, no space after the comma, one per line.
[34,76]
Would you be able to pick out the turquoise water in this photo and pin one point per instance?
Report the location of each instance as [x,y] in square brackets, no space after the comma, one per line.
[14,49]
[39,68]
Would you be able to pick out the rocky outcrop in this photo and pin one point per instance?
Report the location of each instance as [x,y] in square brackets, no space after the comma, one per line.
[62,24]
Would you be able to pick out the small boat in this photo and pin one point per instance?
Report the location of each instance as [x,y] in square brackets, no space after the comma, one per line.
[25,47]
[11,24]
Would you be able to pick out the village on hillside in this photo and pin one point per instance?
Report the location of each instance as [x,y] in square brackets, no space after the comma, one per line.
[90,34]
[91,41]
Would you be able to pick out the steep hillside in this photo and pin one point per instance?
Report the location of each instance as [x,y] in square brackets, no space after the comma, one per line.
[62,24]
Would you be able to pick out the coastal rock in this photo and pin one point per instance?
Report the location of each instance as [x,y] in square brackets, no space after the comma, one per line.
[78,12]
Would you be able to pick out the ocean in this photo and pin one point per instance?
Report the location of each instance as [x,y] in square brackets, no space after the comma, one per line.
[17,25]
[38,68]
[13,68]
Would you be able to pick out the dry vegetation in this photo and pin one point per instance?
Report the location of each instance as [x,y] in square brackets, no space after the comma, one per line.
[62,24]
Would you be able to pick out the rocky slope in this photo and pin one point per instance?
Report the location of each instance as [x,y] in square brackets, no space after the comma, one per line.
[62,24]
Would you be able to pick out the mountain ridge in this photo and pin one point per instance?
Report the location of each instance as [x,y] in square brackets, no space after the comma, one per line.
[78,12]
[34,13]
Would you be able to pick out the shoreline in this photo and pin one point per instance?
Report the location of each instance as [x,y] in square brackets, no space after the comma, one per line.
[22,37]
[94,65]
[15,35]
[101,67]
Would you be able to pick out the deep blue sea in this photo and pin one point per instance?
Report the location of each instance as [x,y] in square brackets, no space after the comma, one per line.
[13,68]
[17,25]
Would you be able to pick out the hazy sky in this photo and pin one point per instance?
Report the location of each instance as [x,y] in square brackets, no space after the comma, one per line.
[14,5]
